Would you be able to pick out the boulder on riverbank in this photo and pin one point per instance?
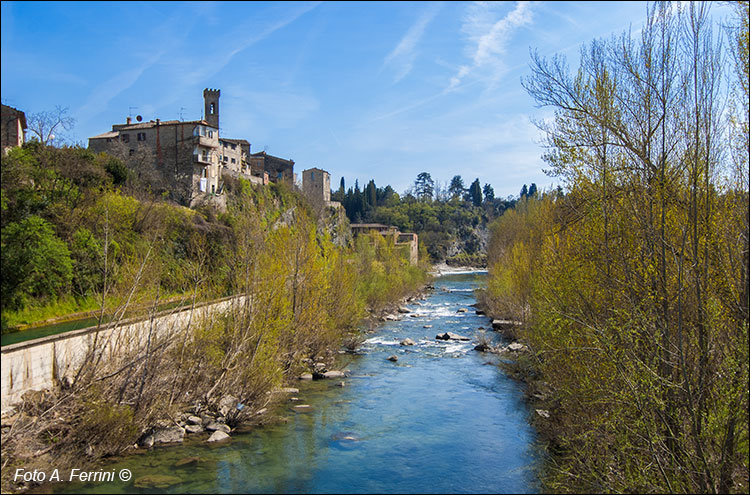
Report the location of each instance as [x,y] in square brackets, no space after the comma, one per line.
[173,434]
[216,426]
[227,403]
[408,341]
[505,324]
[329,374]
[218,436]
[193,429]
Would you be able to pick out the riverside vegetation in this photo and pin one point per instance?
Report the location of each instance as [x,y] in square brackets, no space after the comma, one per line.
[633,283]
[79,229]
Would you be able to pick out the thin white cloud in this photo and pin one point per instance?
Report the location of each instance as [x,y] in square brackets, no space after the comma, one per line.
[224,56]
[488,37]
[105,92]
[402,57]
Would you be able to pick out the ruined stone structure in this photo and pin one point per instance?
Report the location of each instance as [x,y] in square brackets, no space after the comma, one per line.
[408,241]
[12,127]
[278,169]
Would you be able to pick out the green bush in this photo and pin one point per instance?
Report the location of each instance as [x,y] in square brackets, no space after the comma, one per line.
[35,262]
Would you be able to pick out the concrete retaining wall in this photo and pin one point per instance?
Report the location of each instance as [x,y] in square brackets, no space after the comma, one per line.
[38,364]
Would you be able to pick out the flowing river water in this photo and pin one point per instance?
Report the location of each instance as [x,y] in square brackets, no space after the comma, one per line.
[442,419]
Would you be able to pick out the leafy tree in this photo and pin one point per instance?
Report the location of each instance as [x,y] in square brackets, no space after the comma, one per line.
[35,262]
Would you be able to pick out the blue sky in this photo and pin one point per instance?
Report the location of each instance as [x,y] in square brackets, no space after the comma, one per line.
[363,90]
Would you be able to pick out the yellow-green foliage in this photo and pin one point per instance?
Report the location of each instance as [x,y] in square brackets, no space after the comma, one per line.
[634,283]
[296,295]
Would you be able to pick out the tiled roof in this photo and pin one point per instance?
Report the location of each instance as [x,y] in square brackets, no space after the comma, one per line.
[264,154]
[236,141]
[110,134]
[19,114]
[152,123]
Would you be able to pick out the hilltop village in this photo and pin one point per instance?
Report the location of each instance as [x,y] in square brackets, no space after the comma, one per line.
[189,161]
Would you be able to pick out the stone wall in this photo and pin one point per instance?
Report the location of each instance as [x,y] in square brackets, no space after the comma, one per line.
[38,364]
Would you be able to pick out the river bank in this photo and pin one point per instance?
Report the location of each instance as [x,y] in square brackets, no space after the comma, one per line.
[201,423]
[441,417]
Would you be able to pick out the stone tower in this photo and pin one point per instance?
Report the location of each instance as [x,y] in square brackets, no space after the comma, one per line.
[211,102]
[316,185]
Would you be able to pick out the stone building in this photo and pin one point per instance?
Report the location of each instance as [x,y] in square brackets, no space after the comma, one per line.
[408,242]
[12,127]
[188,158]
[316,186]
[278,169]
[179,156]
[234,157]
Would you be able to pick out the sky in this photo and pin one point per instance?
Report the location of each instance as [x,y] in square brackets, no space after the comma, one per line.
[364,90]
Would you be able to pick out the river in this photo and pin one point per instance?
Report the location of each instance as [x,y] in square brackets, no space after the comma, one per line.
[442,419]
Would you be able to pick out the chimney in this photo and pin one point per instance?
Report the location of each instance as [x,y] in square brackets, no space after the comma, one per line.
[128,120]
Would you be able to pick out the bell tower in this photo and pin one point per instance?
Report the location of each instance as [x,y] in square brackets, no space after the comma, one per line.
[211,102]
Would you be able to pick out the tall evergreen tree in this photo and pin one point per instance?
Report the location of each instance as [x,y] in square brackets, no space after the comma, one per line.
[424,186]
[524,191]
[489,193]
[475,192]
[456,188]
[532,190]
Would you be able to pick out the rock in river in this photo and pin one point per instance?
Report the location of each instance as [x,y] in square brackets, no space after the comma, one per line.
[216,426]
[450,336]
[218,436]
[334,374]
[393,358]
[407,342]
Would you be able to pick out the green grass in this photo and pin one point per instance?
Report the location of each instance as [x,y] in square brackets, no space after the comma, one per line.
[36,313]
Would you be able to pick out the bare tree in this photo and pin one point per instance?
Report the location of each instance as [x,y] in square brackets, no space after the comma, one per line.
[46,126]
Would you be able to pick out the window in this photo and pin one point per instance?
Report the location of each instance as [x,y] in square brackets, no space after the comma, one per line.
[141,136]
[205,172]
[280,175]
[210,134]
[132,152]
[125,138]
[312,175]
[234,146]
[212,109]
[234,161]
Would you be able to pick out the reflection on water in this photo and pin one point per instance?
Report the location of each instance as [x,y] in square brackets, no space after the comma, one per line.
[439,420]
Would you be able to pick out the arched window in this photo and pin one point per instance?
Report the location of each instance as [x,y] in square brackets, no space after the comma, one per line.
[212,108]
